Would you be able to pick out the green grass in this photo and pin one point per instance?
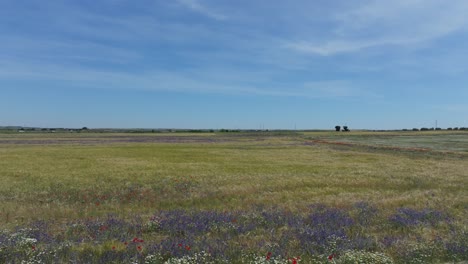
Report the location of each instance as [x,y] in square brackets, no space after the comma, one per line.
[50,181]
[65,178]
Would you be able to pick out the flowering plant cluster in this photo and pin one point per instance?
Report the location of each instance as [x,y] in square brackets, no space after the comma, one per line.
[320,234]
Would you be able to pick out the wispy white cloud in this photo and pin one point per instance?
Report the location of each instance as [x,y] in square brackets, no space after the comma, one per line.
[196,6]
[47,50]
[332,47]
[192,81]
[82,36]
[392,23]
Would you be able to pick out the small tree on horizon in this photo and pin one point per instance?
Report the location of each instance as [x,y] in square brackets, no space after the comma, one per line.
[338,128]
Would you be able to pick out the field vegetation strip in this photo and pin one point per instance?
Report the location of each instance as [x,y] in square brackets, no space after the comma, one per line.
[243,198]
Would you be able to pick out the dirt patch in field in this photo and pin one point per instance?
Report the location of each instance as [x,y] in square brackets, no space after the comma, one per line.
[339,145]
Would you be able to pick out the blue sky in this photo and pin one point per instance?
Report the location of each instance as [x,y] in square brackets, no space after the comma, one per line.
[234,64]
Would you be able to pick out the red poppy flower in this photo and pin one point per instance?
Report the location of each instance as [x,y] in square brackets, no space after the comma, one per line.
[180,245]
[330,257]
[139,248]
[187,247]
[268,256]
[33,247]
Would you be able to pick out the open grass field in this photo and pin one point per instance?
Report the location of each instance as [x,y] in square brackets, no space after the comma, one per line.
[312,197]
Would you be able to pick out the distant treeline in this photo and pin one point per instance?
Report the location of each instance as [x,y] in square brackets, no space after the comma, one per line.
[437,128]
[12,129]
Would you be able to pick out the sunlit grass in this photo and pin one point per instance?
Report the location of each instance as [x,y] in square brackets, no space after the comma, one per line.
[222,175]
[65,182]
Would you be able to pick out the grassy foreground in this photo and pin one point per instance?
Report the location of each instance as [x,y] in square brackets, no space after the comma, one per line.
[240,198]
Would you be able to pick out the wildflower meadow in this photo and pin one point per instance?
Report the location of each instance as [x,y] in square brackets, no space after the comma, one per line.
[244,198]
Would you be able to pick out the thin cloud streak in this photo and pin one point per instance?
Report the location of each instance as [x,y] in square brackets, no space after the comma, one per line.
[183,82]
[65,50]
[197,7]
[388,23]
